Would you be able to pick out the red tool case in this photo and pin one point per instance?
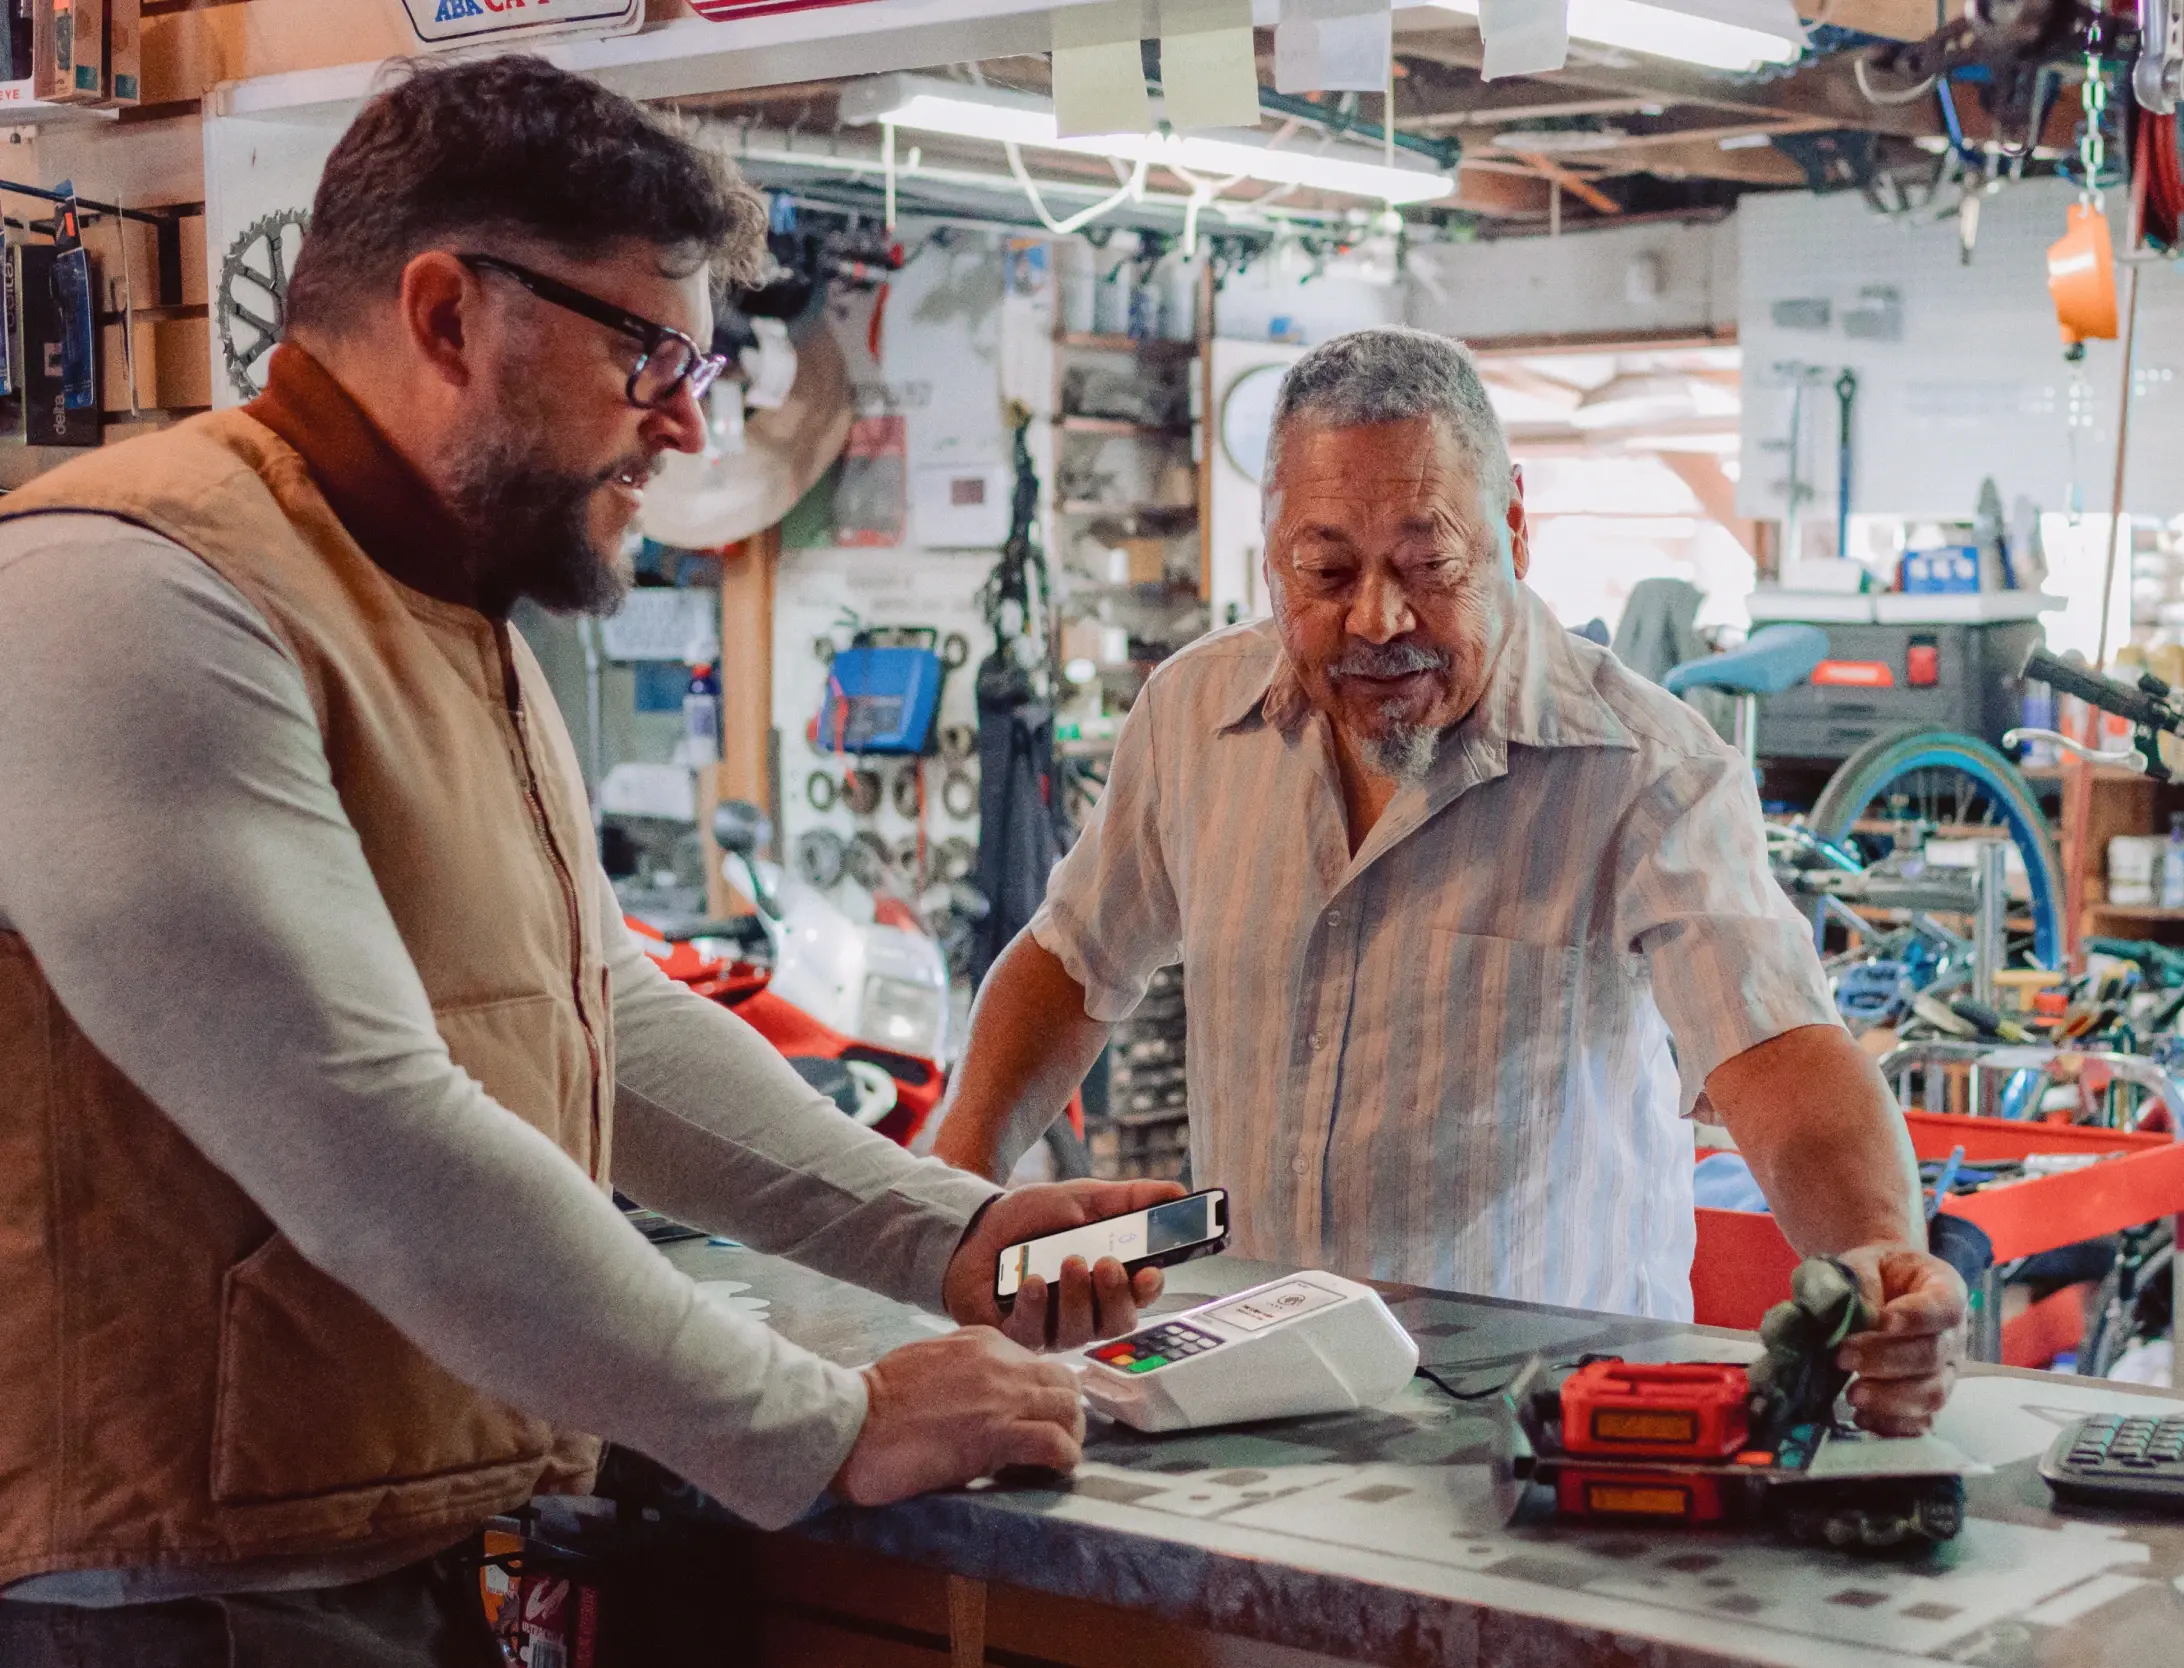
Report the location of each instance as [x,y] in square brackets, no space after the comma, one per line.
[1681,1410]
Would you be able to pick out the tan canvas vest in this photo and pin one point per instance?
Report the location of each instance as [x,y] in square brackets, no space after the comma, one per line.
[177,1385]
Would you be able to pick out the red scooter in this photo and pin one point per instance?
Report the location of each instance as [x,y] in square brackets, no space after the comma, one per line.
[732,962]
[890,1092]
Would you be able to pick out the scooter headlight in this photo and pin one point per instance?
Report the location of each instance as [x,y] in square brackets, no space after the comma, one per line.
[899,1014]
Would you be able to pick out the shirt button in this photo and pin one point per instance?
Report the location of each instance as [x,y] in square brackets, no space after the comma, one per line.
[1297,1166]
[1334,917]
[1319,1040]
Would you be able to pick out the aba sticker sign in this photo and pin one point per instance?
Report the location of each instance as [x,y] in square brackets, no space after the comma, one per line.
[440,23]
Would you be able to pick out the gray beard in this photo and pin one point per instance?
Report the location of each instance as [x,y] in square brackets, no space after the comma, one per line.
[1401,752]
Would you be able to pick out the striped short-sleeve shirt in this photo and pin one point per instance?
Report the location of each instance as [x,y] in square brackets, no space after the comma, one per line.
[1446,1059]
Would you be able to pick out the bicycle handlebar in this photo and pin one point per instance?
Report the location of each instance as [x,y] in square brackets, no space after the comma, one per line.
[2148,711]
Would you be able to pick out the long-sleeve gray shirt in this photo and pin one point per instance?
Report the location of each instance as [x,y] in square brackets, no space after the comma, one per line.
[174,852]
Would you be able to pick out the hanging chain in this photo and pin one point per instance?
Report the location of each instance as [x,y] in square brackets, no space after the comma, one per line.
[2092,139]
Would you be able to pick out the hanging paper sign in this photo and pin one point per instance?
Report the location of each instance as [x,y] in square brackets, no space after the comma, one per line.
[447,23]
[731,11]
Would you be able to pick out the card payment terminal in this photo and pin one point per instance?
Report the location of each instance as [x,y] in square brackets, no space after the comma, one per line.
[1309,1343]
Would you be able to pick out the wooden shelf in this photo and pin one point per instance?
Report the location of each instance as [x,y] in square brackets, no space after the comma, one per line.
[2136,912]
[2101,773]
[156,314]
[1119,425]
[1094,343]
[1150,512]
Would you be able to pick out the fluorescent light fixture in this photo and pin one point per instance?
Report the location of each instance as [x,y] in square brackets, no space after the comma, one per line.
[1565,141]
[927,105]
[1716,34]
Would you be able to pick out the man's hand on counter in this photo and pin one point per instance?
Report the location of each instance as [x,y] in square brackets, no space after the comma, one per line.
[1907,1364]
[1099,1302]
[947,1410]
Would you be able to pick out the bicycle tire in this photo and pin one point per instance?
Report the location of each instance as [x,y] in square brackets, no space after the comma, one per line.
[2106,1322]
[2118,1325]
[1867,774]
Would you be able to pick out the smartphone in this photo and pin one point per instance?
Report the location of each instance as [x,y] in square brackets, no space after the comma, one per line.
[1193,1226]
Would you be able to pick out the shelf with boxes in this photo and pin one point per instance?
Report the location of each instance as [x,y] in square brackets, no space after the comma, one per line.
[106,320]
[71,59]
[1141,1126]
[1125,511]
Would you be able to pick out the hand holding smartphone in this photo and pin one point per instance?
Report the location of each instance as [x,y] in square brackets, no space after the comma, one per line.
[1159,1237]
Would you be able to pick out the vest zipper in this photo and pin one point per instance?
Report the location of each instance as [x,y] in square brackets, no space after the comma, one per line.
[512,692]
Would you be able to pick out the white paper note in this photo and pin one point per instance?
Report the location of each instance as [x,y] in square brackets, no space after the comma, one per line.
[1209,75]
[1523,37]
[1332,46]
[1099,71]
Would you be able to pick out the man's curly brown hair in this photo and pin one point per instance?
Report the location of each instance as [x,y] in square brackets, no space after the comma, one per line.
[459,154]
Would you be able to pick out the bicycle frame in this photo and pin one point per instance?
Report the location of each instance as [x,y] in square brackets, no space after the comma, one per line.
[2009,1074]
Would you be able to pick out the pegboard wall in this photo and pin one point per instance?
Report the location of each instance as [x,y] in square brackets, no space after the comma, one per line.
[1639,279]
[1974,385]
[938,369]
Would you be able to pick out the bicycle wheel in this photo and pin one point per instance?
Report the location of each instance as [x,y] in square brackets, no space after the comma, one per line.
[1933,767]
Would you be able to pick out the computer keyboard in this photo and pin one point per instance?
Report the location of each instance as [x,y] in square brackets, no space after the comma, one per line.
[2114,1459]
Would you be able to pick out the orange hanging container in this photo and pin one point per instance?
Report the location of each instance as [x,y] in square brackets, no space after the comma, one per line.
[2082,277]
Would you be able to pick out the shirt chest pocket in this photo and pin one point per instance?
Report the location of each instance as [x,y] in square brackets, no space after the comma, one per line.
[1512,1022]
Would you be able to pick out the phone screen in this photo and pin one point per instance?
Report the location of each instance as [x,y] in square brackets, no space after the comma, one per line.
[1142,1233]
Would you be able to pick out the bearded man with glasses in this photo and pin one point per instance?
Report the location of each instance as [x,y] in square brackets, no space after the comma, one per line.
[321,1039]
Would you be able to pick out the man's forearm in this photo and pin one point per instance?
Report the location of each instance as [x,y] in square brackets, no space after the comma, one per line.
[713,1128]
[1031,1044]
[1825,1140]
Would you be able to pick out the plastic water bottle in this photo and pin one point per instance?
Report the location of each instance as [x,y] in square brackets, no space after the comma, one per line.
[2172,864]
[701,717]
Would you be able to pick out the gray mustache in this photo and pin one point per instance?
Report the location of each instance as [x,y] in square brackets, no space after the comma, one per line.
[1386,660]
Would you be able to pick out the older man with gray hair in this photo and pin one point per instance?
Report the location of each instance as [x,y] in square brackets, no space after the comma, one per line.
[1446,881]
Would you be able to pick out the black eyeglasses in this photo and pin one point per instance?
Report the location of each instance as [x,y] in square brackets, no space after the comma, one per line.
[671,361]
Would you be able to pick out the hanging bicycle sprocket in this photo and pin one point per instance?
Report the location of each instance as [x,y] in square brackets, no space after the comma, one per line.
[253,299]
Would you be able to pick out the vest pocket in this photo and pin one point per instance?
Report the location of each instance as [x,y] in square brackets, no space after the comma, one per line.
[319,1393]
[528,1053]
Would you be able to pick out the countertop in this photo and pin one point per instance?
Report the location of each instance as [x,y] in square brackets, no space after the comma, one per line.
[1371,1535]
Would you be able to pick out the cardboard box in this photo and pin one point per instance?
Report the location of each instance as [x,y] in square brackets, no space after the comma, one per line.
[56,43]
[90,63]
[124,51]
[1148,560]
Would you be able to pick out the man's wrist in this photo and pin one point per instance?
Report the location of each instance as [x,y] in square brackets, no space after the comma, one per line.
[970,1228]
[838,1484]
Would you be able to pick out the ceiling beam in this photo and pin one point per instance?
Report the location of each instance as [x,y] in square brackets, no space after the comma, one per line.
[1514,193]
[1899,20]
[1590,195]
[1717,494]
[1825,90]
[1702,159]
[1520,378]
[1528,106]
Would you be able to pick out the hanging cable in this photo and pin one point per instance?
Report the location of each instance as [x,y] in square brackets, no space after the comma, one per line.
[1203,193]
[1132,188]
[1859,69]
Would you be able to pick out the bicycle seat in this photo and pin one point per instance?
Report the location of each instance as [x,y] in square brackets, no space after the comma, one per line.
[1774,658]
